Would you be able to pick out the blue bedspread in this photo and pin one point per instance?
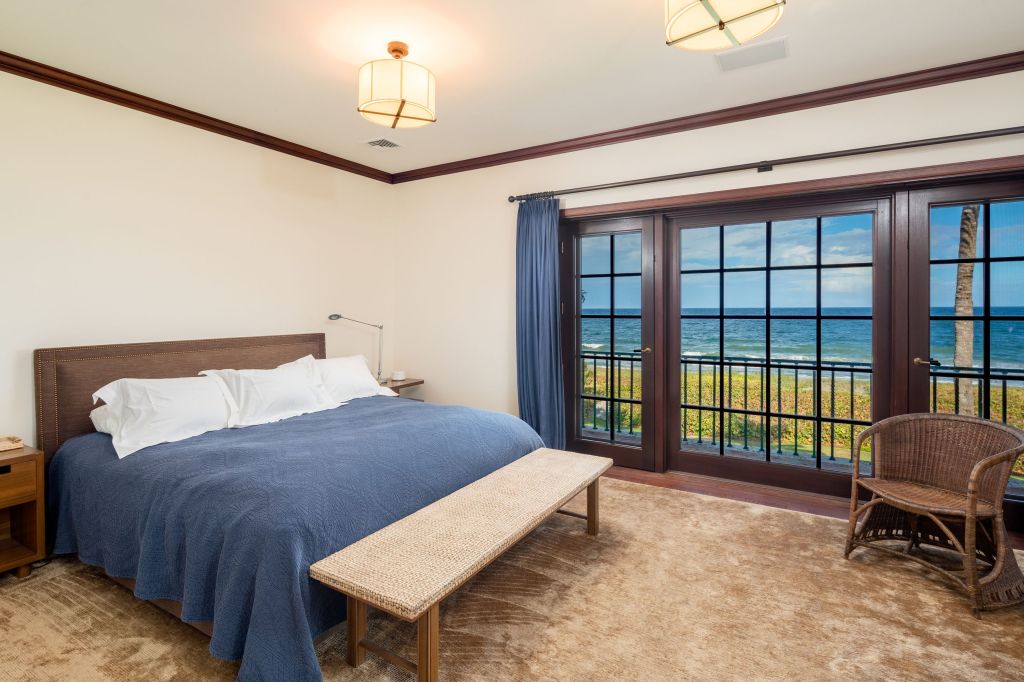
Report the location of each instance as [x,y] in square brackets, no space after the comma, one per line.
[227,523]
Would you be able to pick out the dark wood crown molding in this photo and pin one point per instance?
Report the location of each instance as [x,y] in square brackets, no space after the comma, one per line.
[27,68]
[877,180]
[978,68]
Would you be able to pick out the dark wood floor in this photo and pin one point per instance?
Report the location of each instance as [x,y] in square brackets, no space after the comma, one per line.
[812,503]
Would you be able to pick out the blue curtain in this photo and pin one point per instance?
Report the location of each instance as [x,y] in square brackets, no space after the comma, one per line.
[538,347]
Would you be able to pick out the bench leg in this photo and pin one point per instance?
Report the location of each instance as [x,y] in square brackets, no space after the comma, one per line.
[428,637]
[592,516]
[356,631]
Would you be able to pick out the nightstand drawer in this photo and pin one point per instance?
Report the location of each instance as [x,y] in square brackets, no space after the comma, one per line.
[17,482]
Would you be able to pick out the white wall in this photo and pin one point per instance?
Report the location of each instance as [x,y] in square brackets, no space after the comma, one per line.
[456,305]
[117,226]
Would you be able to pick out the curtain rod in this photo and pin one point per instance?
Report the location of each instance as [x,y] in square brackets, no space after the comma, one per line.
[764,166]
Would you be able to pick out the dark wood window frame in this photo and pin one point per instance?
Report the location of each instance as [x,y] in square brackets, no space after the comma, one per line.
[892,312]
[816,479]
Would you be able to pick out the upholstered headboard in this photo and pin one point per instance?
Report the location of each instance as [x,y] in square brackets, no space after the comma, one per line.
[66,378]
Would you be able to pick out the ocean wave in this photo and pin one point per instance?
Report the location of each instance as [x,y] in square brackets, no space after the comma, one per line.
[593,346]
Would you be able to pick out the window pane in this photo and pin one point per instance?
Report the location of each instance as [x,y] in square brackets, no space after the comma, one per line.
[944,285]
[698,339]
[745,245]
[745,339]
[1007,346]
[846,395]
[846,341]
[595,295]
[627,295]
[1008,408]
[846,291]
[1007,228]
[699,384]
[952,224]
[627,252]
[1008,404]
[595,335]
[794,292]
[698,248]
[1007,288]
[628,337]
[594,376]
[744,293]
[594,254]
[792,386]
[594,419]
[793,391]
[944,336]
[846,238]
[795,242]
[794,340]
[700,430]
[627,419]
[956,395]
[698,294]
[744,387]
[793,441]
[837,448]
[745,436]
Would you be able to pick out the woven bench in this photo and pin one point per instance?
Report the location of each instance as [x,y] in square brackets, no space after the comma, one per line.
[407,569]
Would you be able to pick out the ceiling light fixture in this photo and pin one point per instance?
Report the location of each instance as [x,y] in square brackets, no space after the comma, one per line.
[396,93]
[718,24]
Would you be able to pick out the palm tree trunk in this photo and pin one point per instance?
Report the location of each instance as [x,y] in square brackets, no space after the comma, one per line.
[963,345]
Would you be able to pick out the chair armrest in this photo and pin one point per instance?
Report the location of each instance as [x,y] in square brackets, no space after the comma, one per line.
[864,435]
[979,470]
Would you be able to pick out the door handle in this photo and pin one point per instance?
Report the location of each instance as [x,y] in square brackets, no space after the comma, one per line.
[930,361]
[647,349]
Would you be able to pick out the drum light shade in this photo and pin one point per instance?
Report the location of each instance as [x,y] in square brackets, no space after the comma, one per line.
[718,24]
[396,93]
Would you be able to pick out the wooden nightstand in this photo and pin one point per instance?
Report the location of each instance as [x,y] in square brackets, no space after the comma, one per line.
[21,510]
[397,386]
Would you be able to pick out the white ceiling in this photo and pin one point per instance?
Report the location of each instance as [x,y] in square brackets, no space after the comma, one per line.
[509,74]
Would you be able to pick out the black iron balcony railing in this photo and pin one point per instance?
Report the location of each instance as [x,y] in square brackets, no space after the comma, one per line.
[768,404]
[1000,380]
[762,399]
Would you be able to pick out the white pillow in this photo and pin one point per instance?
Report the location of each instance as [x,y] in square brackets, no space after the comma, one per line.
[349,378]
[143,412]
[261,396]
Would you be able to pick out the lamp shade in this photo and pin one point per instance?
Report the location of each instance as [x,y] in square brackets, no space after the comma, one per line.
[397,93]
[718,24]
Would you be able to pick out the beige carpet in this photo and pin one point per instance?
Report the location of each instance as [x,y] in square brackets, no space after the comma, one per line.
[676,587]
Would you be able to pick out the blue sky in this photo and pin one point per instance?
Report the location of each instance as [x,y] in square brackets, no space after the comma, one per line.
[1007,231]
[845,239]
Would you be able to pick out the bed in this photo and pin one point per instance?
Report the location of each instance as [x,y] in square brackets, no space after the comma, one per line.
[222,528]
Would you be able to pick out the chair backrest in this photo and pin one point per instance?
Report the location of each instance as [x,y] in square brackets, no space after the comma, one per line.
[941,450]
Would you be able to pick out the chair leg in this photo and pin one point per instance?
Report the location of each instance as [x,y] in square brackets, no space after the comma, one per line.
[852,528]
[912,519]
[971,564]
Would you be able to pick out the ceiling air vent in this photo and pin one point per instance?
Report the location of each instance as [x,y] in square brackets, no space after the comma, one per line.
[750,55]
[383,143]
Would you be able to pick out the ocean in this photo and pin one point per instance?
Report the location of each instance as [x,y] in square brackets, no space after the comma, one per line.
[841,340]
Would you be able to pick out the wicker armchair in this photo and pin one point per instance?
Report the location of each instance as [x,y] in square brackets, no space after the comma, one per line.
[938,480]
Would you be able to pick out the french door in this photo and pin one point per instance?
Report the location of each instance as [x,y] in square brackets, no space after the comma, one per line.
[776,314]
[967,304]
[608,338]
[756,341]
